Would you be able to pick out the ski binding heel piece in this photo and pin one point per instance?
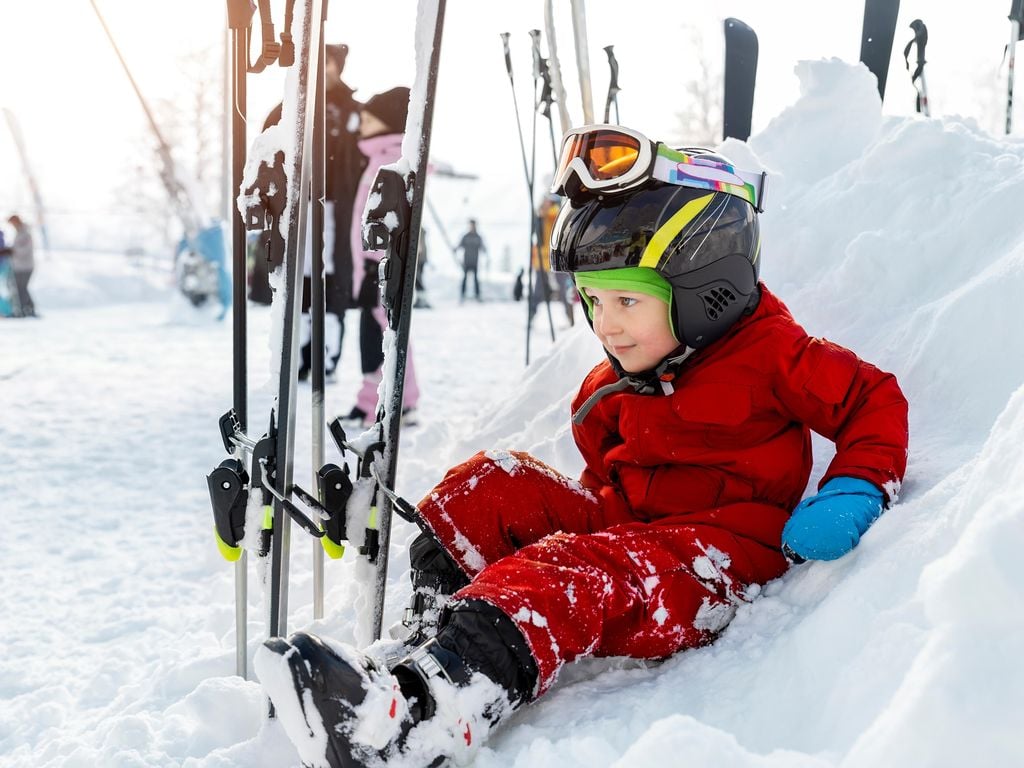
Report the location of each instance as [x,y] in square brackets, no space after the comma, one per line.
[229,495]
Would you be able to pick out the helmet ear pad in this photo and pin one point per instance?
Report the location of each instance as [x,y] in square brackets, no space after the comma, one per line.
[708,300]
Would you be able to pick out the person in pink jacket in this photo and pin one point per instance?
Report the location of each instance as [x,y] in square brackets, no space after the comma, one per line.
[382,123]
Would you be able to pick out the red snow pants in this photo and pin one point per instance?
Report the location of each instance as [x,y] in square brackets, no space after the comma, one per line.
[579,580]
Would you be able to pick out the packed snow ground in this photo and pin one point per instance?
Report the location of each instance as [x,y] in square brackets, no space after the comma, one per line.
[900,238]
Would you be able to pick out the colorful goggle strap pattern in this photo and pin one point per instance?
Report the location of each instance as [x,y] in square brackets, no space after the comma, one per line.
[700,172]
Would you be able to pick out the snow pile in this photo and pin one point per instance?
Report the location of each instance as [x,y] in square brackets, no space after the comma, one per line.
[93,279]
[896,237]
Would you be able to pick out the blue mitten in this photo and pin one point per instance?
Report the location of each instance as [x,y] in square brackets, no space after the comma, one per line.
[830,524]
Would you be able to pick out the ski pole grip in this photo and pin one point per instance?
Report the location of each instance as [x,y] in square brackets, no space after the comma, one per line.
[508,56]
[535,42]
[240,14]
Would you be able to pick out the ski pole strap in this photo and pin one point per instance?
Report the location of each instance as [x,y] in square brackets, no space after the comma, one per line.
[287,55]
[921,39]
[271,48]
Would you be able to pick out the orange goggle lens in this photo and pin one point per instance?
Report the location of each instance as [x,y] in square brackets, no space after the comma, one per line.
[606,154]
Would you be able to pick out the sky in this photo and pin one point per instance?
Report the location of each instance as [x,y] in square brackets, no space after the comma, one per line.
[118,644]
[84,129]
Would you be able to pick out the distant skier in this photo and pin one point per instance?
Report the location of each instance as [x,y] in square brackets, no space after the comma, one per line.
[22,264]
[471,245]
[696,438]
[6,279]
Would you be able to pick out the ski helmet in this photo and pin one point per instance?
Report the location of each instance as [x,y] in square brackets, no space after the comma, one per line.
[705,243]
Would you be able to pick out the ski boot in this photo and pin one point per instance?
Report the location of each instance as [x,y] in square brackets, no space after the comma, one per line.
[342,710]
[435,578]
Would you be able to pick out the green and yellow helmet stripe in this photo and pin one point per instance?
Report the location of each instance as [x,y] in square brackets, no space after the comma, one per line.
[668,231]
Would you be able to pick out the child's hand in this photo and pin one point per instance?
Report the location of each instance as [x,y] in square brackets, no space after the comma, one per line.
[830,524]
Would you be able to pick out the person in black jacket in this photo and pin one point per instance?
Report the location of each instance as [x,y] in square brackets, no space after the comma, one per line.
[471,244]
[345,165]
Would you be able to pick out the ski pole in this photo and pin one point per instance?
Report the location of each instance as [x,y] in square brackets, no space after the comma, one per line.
[1016,19]
[534,223]
[921,39]
[239,18]
[393,394]
[283,415]
[529,186]
[613,85]
[317,305]
[547,98]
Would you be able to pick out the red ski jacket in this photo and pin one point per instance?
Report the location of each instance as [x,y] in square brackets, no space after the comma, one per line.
[731,445]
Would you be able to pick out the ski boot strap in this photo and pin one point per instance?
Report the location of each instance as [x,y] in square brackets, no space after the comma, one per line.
[434,660]
[418,672]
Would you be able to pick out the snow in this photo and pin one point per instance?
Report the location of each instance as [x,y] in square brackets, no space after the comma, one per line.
[898,237]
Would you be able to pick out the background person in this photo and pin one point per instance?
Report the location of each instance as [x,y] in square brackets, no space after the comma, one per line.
[381,130]
[471,245]
[22,265]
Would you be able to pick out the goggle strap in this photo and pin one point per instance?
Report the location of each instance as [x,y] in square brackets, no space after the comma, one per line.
[688,170]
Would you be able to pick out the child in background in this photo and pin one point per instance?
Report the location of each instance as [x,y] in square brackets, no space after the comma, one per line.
[381,128]
[696,438]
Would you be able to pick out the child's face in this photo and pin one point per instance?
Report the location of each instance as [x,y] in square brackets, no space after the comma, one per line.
[633,327]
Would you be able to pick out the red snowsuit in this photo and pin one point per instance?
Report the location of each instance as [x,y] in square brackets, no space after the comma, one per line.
[680,508]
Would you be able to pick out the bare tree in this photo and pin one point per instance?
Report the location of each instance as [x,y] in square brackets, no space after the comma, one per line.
[700,120]
[189,120]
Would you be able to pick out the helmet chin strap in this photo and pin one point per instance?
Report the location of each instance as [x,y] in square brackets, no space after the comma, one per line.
[650,382]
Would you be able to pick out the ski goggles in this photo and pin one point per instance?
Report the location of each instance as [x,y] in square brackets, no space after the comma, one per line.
[608,159]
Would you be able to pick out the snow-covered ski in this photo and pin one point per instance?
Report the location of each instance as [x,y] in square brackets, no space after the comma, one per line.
[740,77]
[877,34]
[392,224]
[253,507]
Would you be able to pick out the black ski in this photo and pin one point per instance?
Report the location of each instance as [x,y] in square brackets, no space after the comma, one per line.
[393,225]
[282,421]
[740,76]
[276,184]
[876,38]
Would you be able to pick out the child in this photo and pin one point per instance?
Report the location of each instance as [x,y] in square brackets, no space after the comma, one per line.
[696,438]
[381,127]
